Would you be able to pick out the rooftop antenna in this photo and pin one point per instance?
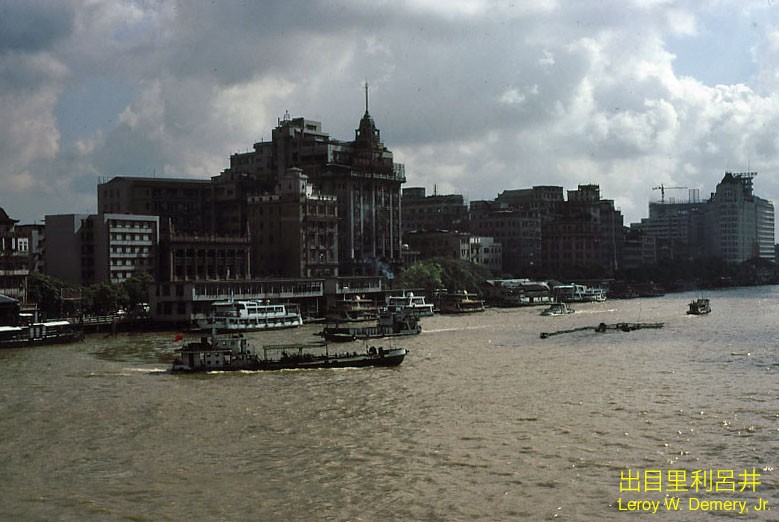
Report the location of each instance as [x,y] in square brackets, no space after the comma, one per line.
[366,97]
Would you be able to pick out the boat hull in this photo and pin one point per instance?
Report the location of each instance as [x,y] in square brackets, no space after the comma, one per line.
[393,357]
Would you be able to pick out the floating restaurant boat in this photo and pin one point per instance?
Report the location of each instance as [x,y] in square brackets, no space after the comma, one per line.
[250,315]
[558,309]
[35,334]
[699,306]
[233,353]
[389,324]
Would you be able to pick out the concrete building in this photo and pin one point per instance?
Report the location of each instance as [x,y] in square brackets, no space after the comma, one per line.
[295,231]
[436,212]
[487,252]
[587,232]
[515,219]
[204,257]
[739,225]
[361,175]
[441,243]
[84,249]
[187,204]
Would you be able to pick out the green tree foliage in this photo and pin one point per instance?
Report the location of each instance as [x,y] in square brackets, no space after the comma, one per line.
[422,274]
[104,298]
[136,289]
[46,292]
[452,274]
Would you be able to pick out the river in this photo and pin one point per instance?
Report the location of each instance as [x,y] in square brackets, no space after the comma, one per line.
[484,420]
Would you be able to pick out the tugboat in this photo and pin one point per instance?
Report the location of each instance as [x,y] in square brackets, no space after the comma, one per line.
[699,306]
[233,353]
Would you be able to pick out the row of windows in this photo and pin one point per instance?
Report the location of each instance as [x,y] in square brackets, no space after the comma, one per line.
[131,237]
[129,250]
[120,223]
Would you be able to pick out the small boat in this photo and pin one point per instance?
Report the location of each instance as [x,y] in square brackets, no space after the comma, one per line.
[558,309]
[36,334]
[234,353]
[699,306]
[389,324]
[250,315]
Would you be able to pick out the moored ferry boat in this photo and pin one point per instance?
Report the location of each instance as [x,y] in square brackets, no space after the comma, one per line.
[389,324]
[250,315]
[357,308]
[234,353]
[35,334]
[408,302]
[460,303]
[573,293]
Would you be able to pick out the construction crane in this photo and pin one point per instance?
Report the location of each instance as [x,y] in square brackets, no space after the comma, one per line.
[663,188]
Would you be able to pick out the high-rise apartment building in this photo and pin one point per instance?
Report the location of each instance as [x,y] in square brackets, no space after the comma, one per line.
[739,225]
[85,249]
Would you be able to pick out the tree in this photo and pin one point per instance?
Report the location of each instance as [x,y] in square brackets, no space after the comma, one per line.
[46,292]
[136,289]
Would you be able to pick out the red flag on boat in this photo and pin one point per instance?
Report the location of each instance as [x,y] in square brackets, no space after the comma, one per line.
[180,336]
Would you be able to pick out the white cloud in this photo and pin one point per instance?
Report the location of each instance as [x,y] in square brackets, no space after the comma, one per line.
[473,96]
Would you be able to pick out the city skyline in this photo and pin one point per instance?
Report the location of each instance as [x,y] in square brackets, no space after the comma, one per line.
[472,97]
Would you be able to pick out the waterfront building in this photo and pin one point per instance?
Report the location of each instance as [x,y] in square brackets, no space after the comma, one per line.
[204,257]
[295,231]
[739,225]
[84,249]
[678,225]
[15,248]
[361,175]
[486,252]
[436,212]
[186,204]
[441,243]
[515,219]
[587,232]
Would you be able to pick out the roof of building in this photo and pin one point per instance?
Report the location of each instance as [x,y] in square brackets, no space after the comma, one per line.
[5,219]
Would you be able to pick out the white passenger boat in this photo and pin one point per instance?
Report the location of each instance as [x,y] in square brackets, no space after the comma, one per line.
[408,302]
[249,315]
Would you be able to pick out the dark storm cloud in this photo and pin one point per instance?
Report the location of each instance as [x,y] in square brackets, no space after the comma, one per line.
[27,26]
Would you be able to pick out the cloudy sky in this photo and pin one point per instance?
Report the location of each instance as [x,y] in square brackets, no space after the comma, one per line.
[474,97]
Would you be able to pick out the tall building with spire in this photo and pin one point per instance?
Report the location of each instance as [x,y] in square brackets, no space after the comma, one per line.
[361,174]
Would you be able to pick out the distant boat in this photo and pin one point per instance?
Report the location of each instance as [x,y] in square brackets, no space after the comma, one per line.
[558,309]
[460,303]
[355,309]
[699,306]
[389,324]
[250,315]
[35,334]
[234,353]
[408,302]
[573,293]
